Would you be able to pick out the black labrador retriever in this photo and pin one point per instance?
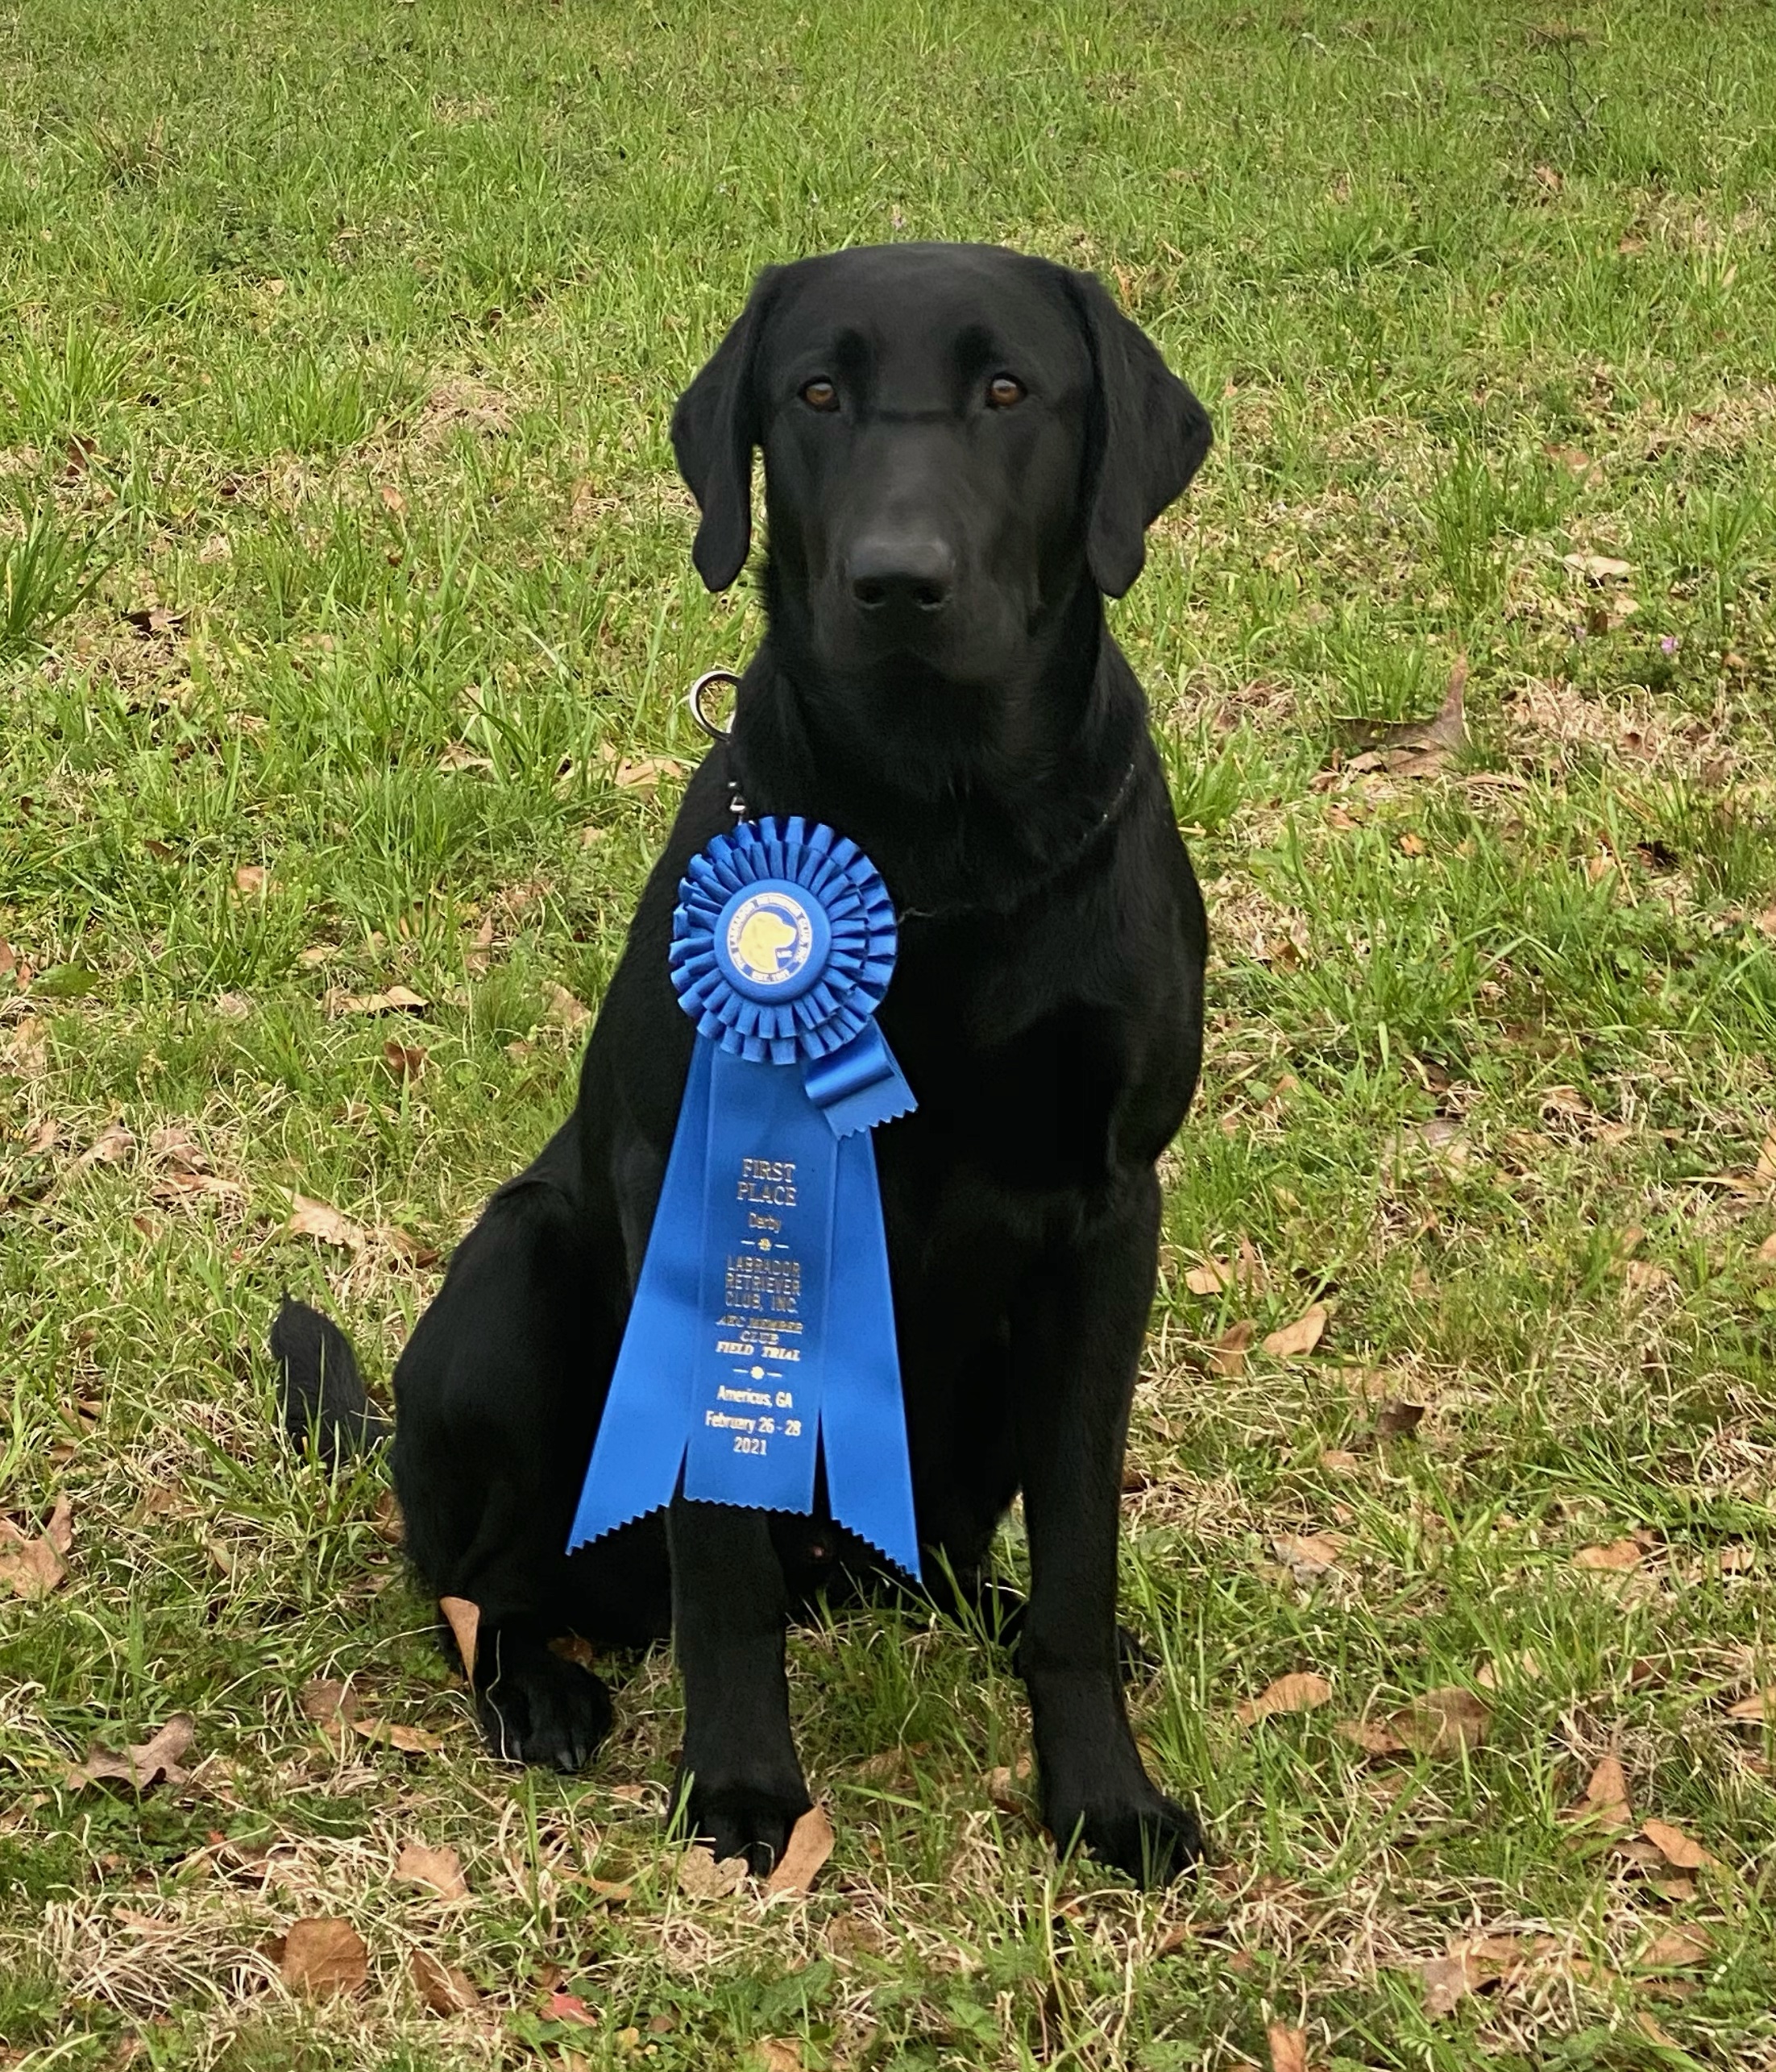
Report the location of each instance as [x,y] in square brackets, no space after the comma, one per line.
[963,448]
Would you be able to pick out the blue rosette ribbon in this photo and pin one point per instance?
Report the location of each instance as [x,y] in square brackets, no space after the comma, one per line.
[761,1336]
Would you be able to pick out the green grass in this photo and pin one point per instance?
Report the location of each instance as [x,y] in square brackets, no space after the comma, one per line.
[337,345]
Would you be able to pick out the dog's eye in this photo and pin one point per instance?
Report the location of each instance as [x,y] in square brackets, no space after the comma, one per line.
[1003,390]
[820,394]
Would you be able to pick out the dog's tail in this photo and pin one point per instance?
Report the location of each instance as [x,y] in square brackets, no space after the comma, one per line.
[319,1389]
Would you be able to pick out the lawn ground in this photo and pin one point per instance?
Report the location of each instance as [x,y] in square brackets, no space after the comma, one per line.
[345,613]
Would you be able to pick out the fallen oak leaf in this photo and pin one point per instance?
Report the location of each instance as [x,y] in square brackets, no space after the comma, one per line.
[1399,1419]
[397,1000]
[563,1009]
[110,1147]
[1414,747]
[406,1061]
[323,1956]
[1294,1339]
[463,1616]
[442,1987]
[32,1567]
[330,1703]
[568,2007]
[1676,1949]
[409,1740]
[1447,1722]
[1372,1736]
[1006,1785]
[1287,2048]
[1308,1554]
[1605,1803]
[810,1844]
[1447,1980]
[150,1762]
[441,1869]
[1678,1848]
[1227,1356]
[319,1220]
[1300,1691]
[701,1877]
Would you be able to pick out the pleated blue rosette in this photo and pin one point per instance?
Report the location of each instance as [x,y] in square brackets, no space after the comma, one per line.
[762,1337]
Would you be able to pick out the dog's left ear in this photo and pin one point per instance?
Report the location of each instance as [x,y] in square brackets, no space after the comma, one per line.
[1151,435]
[715,428]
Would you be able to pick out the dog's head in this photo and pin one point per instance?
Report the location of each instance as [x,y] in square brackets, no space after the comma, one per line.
[958,441]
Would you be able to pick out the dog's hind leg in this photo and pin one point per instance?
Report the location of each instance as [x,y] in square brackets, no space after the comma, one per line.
[497,1397]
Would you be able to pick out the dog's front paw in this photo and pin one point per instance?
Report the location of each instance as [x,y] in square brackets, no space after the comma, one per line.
[745,1820]
[1152,1838]
[537,1707]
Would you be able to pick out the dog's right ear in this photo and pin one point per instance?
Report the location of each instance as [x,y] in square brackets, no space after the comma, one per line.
[715,428]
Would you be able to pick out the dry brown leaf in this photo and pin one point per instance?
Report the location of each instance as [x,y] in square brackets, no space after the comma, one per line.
[562,1010]
[1605,1803]
[1414,748]
[569,2007]
[414,1250]
[1007,1785]
[637,772]
[1597,568]
[1676,1949]
[459,756]
[324,1224]
[779,2053]
[328,1701]
[1618,1556]
[443,1988]
[409,1740]
[810,1845]
[575,1647]
[1675,1847]
[1227,1356]
[1308,1554]
[462,1615]
[151,1761]
[110,1147]
[1339,1461]
[1761,1705]
[1766,1158]
[441,1869]
[252,879]
[393,501]
[1288,2049]
[1447,1980]
[32,1567]
[1443,1722]
[397,1000]
[1300,1691]
[1398,1419]
[1301,1336]
[1209,1278]
[323,1955]
[701,1877]
[406,1061]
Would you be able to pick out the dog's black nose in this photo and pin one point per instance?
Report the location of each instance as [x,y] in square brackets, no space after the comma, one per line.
[903,572]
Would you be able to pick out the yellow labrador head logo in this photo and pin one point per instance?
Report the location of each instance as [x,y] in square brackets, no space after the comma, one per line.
[770,937]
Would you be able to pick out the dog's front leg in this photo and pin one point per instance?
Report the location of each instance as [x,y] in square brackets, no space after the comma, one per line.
[1078,1340]
[729,1613]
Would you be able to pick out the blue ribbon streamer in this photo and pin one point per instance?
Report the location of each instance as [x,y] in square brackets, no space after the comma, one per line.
[762,1332]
